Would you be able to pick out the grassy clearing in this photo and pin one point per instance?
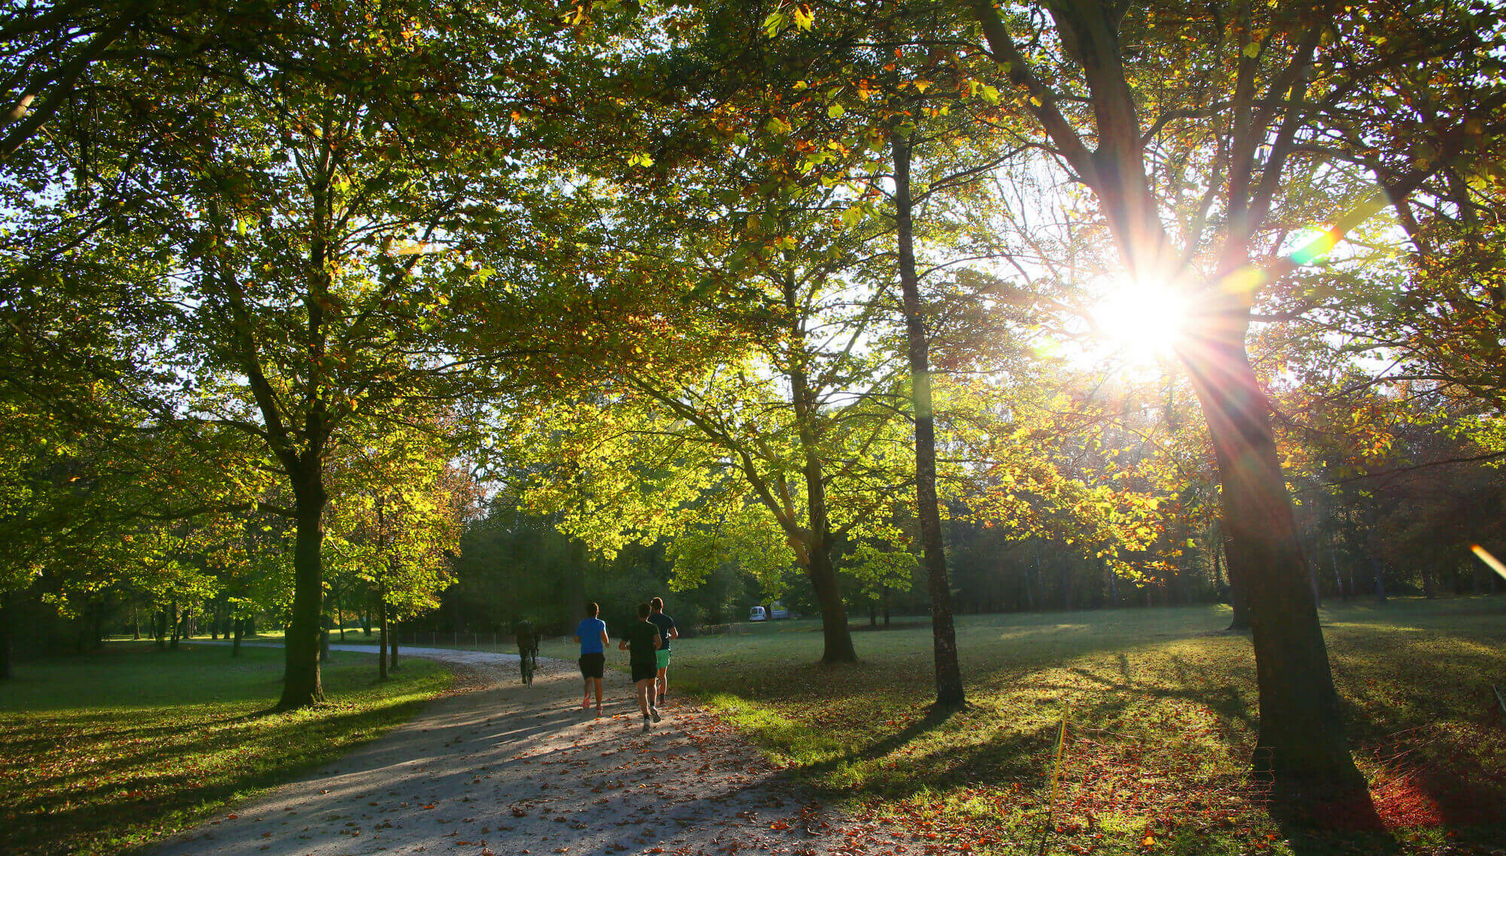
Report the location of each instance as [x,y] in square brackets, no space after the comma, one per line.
[106,754]
[1160,728]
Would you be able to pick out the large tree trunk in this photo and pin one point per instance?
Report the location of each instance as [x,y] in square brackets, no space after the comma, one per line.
[1301,744]
[301,685]
[834,627]
[392,662]
[235,647]
[949,691]
[177,625]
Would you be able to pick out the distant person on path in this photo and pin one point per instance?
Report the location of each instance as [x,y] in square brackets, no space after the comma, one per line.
[643,642]
[667,630]
[591,634]
[528,649]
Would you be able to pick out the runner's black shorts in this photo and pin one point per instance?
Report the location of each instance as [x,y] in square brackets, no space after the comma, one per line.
[592,664]
[644,670]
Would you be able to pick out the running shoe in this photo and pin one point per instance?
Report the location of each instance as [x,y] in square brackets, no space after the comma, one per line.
[653,711]
[585,703]
[645,723]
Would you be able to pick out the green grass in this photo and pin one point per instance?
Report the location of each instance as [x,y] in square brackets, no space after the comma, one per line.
[106,754]
[1161,724]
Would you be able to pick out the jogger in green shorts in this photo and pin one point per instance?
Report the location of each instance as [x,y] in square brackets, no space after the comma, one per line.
[667,630]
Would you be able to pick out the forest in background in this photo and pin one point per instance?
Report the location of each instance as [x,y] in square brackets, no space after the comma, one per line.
[450,313]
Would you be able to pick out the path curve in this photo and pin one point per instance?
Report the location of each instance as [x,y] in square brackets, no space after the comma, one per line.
[498,768]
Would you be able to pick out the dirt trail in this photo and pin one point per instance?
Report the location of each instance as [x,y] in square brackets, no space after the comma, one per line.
[497,767]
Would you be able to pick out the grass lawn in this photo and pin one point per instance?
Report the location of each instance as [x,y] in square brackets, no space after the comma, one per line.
[105,754]
[1159,731]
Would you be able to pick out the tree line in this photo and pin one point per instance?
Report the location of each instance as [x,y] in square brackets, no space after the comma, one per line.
[776,291]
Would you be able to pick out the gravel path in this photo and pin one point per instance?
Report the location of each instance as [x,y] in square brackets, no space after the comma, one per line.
[496,767]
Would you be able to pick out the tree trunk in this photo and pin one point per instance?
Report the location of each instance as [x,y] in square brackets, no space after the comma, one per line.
[1380,580]
[1241,619]
[301,685]
[135,623]
[177,626]
[1312,578]
[1041,601]
[235,648]
[818,539]
[1428,590]
[382,638]
[392,661]
[1338,575]
[7,664]
[837,644]
[1301,744]
[949,691]
[324,641]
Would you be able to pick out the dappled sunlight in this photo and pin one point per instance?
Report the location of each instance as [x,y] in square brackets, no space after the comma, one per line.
[1161,726]
[1041,630]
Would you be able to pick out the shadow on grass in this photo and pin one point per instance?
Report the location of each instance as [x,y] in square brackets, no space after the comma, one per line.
[109,803]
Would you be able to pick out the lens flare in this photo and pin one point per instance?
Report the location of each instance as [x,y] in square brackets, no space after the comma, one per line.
[1488,559]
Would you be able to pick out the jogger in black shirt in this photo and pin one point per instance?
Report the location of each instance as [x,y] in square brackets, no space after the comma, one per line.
[642,641]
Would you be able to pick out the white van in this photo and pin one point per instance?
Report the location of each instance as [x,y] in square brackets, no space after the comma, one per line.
[758,614]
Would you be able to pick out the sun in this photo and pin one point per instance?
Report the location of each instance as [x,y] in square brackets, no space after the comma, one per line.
[1139,322]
